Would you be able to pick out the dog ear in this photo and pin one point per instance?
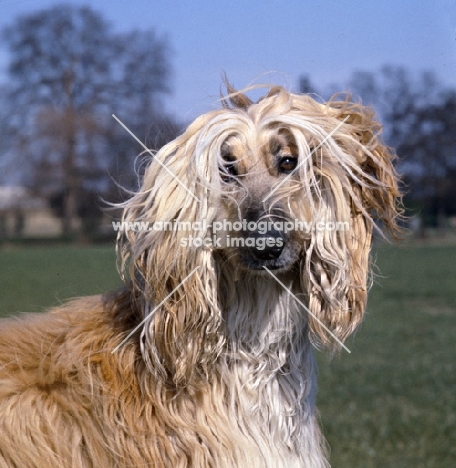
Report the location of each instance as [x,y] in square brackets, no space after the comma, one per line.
[174,277]
[380,194]
[236,98]
[359,187]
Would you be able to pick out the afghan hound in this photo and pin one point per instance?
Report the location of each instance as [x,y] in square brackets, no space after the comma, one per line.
[234,267]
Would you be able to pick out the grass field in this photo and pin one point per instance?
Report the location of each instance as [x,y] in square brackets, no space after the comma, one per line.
[32,279]
[390,403]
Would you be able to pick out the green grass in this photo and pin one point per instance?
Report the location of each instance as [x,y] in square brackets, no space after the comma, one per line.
[390,403]
[32,279]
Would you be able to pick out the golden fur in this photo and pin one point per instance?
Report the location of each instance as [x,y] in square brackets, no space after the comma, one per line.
[221,372]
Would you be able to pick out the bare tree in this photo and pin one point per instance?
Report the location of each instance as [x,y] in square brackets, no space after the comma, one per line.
[68,73]
[430,144]
[305,85]
[420,118]
[144,79]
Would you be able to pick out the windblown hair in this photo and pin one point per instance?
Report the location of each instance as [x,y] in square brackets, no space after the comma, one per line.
[220,372]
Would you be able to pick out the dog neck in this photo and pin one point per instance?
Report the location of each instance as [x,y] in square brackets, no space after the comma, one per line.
[268,363]
[263,319]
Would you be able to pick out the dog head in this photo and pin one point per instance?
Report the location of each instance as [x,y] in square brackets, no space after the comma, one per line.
[285,184]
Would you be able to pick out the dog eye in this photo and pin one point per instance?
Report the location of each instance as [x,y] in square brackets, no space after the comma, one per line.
[228,172]
[287,164]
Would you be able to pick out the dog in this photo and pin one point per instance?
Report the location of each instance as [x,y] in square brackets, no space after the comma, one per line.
[204,358]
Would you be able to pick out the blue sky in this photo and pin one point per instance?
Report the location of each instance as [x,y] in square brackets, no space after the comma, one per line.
[278,40]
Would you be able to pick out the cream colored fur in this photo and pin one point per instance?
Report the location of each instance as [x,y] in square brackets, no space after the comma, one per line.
[221,374]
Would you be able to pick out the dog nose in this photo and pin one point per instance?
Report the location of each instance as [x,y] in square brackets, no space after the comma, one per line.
[267,246]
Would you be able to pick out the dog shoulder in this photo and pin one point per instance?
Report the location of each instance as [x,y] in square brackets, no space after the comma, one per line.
[56,369]
[52,349]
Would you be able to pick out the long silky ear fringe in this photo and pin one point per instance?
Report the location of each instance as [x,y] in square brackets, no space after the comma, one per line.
[180,340]
[382,200]
[336,269]
[337,273]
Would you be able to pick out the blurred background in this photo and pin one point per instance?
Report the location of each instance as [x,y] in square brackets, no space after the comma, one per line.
[65,68]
